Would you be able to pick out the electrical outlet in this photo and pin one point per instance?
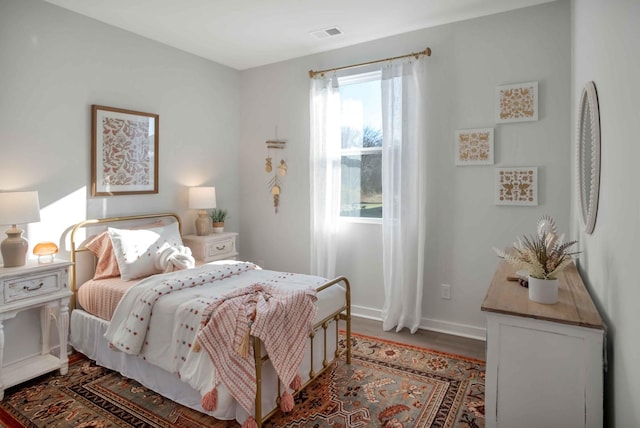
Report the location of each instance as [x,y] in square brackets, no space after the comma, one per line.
[445,291]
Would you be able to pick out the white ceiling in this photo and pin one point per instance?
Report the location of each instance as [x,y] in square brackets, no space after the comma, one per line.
[249,33]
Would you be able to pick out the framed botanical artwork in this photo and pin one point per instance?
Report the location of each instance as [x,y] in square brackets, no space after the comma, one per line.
[474,146]
[124,151]
[517,102]
[517,186]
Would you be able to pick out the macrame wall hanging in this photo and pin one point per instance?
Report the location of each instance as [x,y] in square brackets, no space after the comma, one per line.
[280,170]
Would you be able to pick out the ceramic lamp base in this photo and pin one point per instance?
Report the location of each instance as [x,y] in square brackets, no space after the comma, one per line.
[14,248]
[543,290]
[203,224]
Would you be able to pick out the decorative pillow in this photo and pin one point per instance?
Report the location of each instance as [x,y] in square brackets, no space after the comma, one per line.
[107,265]
[136,250]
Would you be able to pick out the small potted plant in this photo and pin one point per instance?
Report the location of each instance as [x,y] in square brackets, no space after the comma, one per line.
[218,217]
[543,256]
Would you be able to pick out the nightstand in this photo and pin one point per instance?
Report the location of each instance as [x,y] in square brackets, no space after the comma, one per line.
[43,286]
[208,248]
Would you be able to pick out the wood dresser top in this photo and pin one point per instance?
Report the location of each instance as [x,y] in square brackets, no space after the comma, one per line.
[574,306]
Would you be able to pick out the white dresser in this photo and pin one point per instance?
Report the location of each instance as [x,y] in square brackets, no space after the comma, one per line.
[209,248]
[544,362]
[35,286]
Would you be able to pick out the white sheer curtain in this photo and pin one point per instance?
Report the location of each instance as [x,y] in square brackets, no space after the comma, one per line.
[404,118]
[324,175]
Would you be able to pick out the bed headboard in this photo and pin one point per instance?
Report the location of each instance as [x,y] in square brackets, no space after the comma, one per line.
[84,261]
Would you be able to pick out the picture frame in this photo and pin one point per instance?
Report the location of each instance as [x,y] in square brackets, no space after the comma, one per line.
[517,102]
[124,151]
[474,146]
[516,186]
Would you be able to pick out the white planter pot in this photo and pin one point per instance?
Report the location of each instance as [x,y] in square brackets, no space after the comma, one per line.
[543,290]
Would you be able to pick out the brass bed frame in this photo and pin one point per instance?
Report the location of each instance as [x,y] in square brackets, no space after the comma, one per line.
[342,314]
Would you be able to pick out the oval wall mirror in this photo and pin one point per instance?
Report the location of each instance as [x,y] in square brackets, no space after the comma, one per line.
[589,155]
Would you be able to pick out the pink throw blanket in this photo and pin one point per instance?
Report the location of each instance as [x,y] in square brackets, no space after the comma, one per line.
[282,319]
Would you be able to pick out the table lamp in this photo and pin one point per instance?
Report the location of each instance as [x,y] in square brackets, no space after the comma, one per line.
[202,199]
[17,208]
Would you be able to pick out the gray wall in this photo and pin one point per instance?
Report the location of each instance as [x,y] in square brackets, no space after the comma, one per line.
[469,60]
[53,65]
[56,64]
[606,43]
[214,122]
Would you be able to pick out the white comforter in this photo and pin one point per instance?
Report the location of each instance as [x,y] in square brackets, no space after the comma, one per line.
[165,334]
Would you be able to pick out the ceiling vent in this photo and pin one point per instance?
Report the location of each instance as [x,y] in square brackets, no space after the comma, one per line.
[327,32]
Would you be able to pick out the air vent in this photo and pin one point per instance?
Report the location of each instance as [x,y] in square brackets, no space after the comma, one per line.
[327,32]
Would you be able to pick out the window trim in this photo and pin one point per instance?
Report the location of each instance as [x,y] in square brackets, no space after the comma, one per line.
[355,78]
[367,220]
[355,151]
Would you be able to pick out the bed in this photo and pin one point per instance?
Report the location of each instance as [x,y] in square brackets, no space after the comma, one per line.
[178,352]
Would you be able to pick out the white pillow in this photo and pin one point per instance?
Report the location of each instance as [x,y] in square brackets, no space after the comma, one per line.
[136,250]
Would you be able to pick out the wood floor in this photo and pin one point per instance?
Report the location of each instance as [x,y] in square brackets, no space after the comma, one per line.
[427,339]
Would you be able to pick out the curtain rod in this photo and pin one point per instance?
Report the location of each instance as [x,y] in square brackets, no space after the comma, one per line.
[426,52]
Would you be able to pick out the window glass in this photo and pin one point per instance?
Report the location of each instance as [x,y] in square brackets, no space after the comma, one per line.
[361,187]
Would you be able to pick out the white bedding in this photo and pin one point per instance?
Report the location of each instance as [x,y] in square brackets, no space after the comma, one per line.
[165,353]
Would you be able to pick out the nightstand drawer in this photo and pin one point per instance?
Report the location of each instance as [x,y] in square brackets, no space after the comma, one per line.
[220,248]
[209,248]
[24,288]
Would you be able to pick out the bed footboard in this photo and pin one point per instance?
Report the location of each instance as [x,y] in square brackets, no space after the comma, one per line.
[322,326]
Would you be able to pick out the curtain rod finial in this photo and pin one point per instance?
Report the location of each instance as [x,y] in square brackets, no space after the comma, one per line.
[427,51]
[311,73]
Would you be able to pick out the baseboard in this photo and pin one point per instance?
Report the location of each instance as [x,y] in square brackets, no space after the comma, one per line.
[462,330]
[365,312]
[439,326]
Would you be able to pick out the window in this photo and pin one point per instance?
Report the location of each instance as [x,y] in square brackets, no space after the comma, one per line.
[361,127]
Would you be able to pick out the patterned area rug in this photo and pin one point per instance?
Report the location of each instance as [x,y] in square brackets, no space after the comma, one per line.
[387,385]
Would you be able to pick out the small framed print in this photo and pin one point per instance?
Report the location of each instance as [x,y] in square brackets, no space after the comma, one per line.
[517,186]
[517,102]
[474,146]
[124,152]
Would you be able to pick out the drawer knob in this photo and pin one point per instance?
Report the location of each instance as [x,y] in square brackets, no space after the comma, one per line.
[220,248]
[37,287]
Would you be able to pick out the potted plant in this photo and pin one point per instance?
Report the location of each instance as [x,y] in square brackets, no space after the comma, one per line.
[218,217]
[543,256]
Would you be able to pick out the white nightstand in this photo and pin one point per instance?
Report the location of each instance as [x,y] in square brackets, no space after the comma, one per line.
[44,286]
[208,248]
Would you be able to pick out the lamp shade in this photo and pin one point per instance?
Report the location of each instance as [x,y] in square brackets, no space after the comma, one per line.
[202,198]
[19,207]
